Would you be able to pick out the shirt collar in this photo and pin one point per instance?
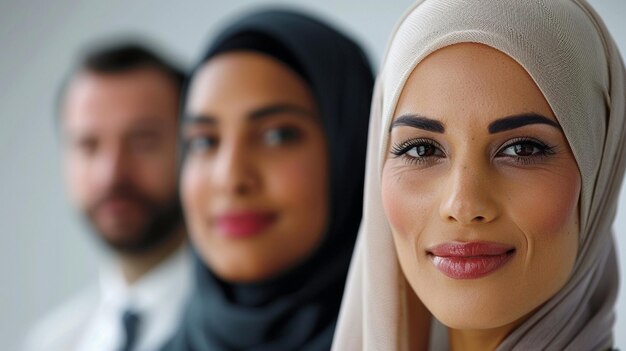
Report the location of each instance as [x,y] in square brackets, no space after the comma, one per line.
[169,279]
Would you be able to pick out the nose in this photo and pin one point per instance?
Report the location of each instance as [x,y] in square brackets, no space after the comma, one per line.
[114,167]
[235,171]
[468,195]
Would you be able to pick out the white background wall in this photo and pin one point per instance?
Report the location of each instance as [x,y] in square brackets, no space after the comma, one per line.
[45,252]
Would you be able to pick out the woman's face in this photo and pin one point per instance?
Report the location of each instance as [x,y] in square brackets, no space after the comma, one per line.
[255,176]
[480,188]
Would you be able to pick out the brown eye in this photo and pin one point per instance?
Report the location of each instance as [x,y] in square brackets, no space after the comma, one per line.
[422,150]
[524,149]
[199,144]
[418,148]
[282,135]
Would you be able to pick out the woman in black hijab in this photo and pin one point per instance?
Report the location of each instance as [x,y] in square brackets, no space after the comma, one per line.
[275,130]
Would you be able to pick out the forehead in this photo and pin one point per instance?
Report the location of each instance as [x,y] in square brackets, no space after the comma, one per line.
[469,83]
[119,99]
[237,82]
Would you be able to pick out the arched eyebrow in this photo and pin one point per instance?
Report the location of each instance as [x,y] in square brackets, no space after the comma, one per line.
[259,113]
[497,126]
[419,122]
[199,120]
[280,108]
[518,121]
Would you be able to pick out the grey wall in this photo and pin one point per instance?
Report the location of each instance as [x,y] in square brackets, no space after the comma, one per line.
[45,253]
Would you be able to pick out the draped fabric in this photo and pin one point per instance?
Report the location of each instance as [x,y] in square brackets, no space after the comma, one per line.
[296,310]
[568,52]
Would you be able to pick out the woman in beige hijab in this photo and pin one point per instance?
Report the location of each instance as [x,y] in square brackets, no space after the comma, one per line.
[496,154]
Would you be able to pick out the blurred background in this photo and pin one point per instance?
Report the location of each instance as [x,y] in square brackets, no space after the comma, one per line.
[47,254]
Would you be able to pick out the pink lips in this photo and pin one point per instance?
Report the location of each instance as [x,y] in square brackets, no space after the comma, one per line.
[244,224]
[469,260]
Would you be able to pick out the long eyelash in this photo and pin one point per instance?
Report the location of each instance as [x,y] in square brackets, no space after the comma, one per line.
[545,150]
[400,150]
[543,147]
[403,147]
[188,141]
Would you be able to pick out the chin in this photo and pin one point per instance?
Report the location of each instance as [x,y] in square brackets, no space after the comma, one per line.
[123,241]
[472,319]
[472,312]
[238,276]
[470,307]
[235,270]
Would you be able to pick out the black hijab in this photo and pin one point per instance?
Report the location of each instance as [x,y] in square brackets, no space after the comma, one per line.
[296,310]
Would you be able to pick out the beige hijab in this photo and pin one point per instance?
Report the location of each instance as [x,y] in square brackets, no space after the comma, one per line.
[569,53]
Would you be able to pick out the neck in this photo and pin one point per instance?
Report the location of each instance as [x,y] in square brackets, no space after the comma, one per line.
[419,321]
[136,265]
[482,339]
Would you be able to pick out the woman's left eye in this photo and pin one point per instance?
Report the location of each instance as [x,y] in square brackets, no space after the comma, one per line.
[200,144]
[282,135]
[525,148]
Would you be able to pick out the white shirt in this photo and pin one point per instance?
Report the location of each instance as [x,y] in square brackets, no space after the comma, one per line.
[93,320]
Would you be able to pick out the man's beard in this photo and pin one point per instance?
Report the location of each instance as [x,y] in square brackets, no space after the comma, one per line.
[161,219]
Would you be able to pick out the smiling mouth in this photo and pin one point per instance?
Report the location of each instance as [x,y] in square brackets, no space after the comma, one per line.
[238,225]
[470,260]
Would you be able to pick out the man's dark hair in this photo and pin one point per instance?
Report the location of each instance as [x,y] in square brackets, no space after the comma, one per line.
[128,57]
[122,58]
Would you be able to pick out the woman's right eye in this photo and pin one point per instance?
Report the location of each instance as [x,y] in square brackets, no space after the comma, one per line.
[201,143]
[422,150]
[418,150]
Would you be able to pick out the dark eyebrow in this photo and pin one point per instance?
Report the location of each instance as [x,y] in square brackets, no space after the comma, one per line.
[278,109]
[259,113]
[199,120]
[418,121]
[517,121]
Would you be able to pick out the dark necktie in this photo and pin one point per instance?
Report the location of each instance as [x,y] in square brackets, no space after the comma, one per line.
[130,322]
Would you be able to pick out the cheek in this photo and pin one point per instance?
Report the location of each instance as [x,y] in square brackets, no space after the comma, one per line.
[157,176]
[298,180]
[78,181]
[298,187]
[547,214]
[194,191]
[549,207]
[195,198]
[408,200]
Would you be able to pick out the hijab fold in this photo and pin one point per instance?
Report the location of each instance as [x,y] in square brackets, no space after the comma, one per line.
[568,52]
[297,309]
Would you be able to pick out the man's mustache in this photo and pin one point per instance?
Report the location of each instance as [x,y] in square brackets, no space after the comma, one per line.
[126,192]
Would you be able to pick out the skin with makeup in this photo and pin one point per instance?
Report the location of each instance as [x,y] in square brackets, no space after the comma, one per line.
[256,167]
[481,191]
